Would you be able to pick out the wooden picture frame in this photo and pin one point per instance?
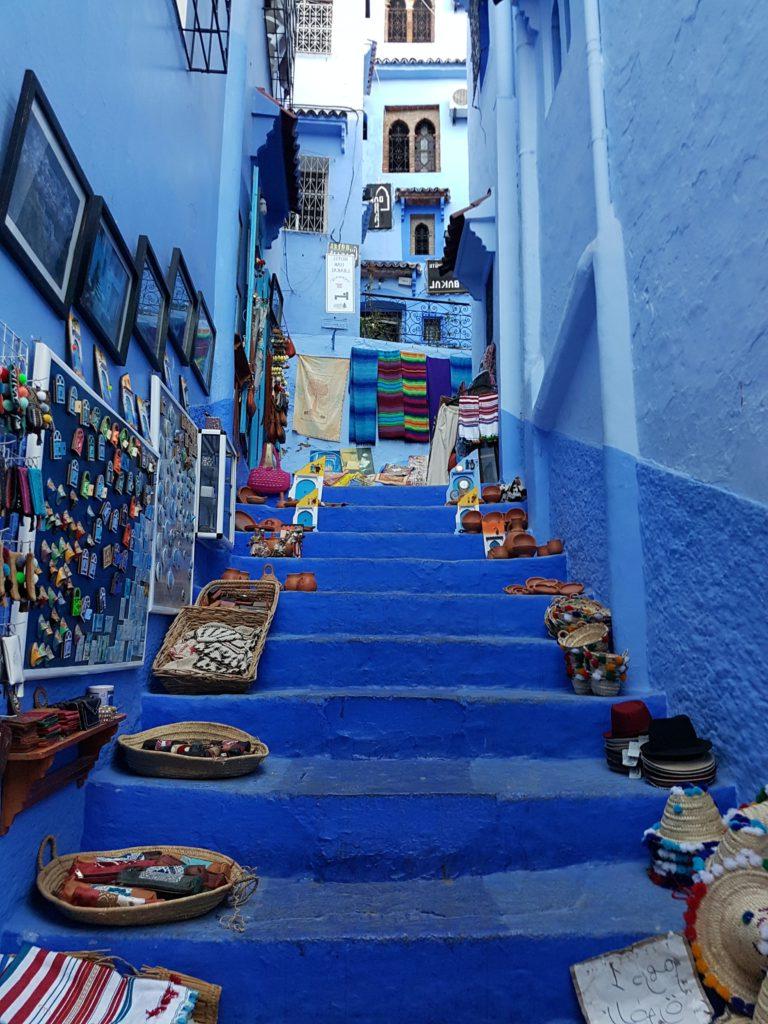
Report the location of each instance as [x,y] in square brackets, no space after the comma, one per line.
[204,345]
[181,314]
[44,197]
[151,304]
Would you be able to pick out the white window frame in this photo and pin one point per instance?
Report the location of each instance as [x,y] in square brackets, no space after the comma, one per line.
[315,27]
[306,221]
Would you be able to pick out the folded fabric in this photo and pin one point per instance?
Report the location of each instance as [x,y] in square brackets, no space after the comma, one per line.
[40,987]
[390,397]
[461,372]
[415,397]
[364,371]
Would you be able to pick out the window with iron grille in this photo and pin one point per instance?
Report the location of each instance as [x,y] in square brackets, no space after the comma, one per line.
[397,22]
[431,330]
[315,30]
[425,147]
[204,30]
[423,22]
[380,324]
[399,147]
[422,235]
[313,214]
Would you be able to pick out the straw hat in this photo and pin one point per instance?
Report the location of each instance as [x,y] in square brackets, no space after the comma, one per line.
[761,1010]
[727,924]
[690,817]
[744,833]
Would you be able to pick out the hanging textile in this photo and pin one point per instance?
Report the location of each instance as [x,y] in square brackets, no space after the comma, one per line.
[364,372]
[489,417]
[469,417]
[461,372]
[443,443]
[415,397]
[321,384]
[390,394]
[438,386]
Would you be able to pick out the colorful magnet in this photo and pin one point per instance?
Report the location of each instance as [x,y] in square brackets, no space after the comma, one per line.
[77,602]
[85,413]
[73,473]
[73,403]
[86,487]
[101,448]
[58,448]
[78,440]
[59,389]
[91,448]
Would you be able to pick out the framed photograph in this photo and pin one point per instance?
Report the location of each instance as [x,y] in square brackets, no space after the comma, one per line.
[275,301]
[108,279]
[101,367]
[183,393]
[151,305]
[44,197]
[204,345]
[181,315]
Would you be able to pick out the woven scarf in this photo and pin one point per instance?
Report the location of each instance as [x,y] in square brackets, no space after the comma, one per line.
[461,372]
[391,415]
[489,417]
[438,386]
[469,417]
[415,397]
[363,375]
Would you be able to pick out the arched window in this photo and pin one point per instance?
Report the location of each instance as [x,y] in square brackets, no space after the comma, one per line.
[397,22]
[425,147]
[567,20]
[421,240]
[557,53]
[399,147]
[423,24]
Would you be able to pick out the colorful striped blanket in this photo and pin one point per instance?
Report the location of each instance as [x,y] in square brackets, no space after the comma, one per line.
[363,375]
[391,414]
[415,397]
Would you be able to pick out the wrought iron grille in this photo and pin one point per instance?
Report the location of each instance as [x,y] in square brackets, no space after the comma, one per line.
[422,239]
[315,30]
[204,29]
[475,38]
[280,21]
[429,322]
[313,214]
[423,23]
[426,149]
[397,22]
[399,148]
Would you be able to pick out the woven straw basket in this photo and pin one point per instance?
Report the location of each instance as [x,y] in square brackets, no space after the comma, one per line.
[208,996]
[697,821]
[51,876]
[188,620]
[566,613]
[179,766]
[736,840]
[761,1006]
[259,596]
[588,634]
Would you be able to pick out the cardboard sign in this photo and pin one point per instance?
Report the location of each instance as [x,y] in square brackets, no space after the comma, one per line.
[652,982]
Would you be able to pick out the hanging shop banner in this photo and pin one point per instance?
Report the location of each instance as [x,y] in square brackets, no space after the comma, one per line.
[96,539]
[175,436]
[381,198]
[321,385]
[340,278]
[439,285]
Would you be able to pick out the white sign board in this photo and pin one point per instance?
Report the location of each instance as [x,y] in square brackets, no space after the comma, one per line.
[339,282]
[652,982]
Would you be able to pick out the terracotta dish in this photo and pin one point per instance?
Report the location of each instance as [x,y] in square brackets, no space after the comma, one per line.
[248,497]
[245,522]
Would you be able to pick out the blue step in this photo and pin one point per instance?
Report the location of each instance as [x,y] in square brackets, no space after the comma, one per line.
[416,614]
[380,518]
[425,576]
[380,495]
[490,950]
[323,544]
[353,820]
[404,721]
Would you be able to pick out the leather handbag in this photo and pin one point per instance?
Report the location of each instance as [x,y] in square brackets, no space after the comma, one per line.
[268,477]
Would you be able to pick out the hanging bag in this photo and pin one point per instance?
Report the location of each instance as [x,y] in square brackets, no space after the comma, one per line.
[268,477]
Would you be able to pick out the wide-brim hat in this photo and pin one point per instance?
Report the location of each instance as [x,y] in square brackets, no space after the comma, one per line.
[745,831]
[761,1008]
[701,772]
[629,719]
[674,738]
[691,817]
[727,926]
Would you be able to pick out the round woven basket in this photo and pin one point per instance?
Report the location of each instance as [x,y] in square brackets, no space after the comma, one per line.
[588,634]
[605,688]
[691,817]
[568,612]
[179,766]
[51,877]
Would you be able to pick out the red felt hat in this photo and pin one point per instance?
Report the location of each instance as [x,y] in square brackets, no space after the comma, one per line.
[630,718]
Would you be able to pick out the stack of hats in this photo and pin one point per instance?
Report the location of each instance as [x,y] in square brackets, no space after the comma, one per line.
[745,841]
[727,927]
[689,832]
[675,756]
[630,721]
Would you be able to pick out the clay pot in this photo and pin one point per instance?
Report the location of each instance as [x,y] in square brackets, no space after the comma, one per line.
[234,574]
[555,547]
[571,589]
[542,550]
[292,581]
[498,552]
[516,519]
[509,540]
[492,494]
[495,520]
[523,545]
[472,522]
[271,525]
[307,583]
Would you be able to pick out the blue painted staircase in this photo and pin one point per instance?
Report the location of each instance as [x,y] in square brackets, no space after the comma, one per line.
[437,834]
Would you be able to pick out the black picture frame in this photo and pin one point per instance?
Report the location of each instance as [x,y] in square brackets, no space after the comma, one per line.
[181,335]
[275,301]
[59,202]
[96,300]
[202,353]
[151,303]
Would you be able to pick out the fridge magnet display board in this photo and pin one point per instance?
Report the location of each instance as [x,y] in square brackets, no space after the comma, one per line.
[174,435]
[95,541]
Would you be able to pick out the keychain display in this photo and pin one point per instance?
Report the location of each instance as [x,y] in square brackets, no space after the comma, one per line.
[93,540]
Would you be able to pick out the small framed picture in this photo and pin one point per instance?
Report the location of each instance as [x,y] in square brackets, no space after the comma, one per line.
[128,401]
[103,383]
[183,393]
[204,345]
[44,197]
[151,305]
[181,315]
[142,411]
[108,279]
[275,301]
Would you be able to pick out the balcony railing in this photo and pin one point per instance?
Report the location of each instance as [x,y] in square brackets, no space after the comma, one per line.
[432,323]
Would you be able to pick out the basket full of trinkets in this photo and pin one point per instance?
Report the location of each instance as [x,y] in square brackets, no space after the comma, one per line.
[192,750]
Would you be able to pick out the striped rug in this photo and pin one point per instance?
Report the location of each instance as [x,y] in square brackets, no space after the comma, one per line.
[363,374]
[415,397]
[390,395]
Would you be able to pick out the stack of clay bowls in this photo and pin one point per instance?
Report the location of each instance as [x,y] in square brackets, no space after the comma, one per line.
[689,832]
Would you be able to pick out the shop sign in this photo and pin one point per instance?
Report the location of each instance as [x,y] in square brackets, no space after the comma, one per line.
[439,285]
[340,278]
[381,198]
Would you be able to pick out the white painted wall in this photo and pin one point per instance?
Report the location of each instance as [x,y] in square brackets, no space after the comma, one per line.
[336,79]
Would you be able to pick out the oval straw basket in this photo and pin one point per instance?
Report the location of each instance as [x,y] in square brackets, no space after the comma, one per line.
[208,996]
[191,681]
[259,596]
[51,877]
[567,613]
[179,766]
[590,634]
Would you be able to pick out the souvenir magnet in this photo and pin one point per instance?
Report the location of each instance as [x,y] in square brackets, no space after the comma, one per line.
[84,563]
[105,428]
[120,482]
[101,600]
[85,412]
[94,566]
[91,448]
[114,520]
[73,473]
[77,603]
[107,556]
[59,389]
[58,448]
[73,405]
[98,527]
[67,651]
[95,417]
[86,487]
[110,470]
[87,610]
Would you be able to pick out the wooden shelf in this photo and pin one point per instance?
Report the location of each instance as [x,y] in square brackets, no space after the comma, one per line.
[27,779]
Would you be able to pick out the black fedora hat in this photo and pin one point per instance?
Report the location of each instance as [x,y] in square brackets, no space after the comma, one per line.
[674,739]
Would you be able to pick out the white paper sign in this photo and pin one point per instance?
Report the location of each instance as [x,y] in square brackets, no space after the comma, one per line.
[339,282]
[652,982]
